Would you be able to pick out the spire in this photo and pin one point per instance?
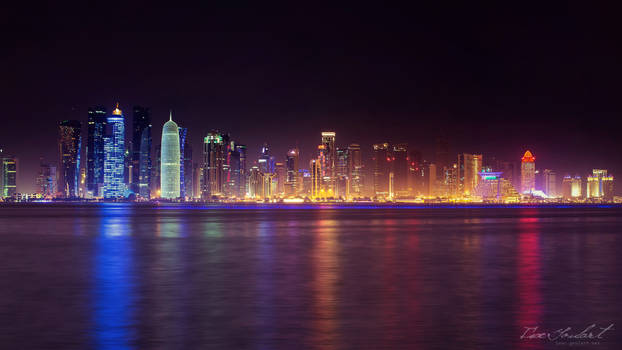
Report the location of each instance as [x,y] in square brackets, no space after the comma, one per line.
[117,111]
[170,118]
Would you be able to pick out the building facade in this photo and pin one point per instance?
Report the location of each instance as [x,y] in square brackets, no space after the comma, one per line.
[170,161]
[114,159]
[528,173]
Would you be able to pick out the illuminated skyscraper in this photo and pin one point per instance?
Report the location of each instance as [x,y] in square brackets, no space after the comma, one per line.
[255,183]
[600,185]
[469,167]
[170,173]
[97,120]
[342,178]
[382,169]
[241,172]
[571,187]
[8,175]
[399,167]
[528,173]
[550,183]
[185,164]
[355,170]
[266,160]
[329,151]
[114,159]
[69,144]
[281,177]
[141,152]
[292,178]
[213,165]
[317,190]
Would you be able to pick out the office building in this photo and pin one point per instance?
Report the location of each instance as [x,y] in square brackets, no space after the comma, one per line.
[382,169]
[8,175]
[469,167]
[96,129]
[69,144]
[114,159]
[528,173]
[141,152]
[170,158]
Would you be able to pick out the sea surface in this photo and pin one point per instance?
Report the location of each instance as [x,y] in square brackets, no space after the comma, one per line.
[126,276]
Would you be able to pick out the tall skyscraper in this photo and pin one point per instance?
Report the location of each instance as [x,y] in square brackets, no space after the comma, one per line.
[242,173]
[114,160]
[550,183]
[183,134]
[170,161]
[213,163]
[399,168]
[141,152]
[382,169]
[291,165]
[329,152]
[528,173]
[342,178]
[46,180]
[315,168]
[97,120]
[355,170]
[69,144]
[8,175]
[571,187]
[266,160]
[600,185]
[469,167]
[255,183]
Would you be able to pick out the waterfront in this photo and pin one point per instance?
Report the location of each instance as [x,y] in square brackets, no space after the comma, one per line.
[281,277]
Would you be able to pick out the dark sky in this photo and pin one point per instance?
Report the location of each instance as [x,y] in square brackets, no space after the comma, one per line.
[496,80]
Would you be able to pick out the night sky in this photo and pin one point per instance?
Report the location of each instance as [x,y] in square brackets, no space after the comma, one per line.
[494,80]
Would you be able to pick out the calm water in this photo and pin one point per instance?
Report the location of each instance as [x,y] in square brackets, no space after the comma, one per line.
[125,277]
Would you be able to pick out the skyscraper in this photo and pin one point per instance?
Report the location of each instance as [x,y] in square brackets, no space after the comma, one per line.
[382,169]
[315,168]
[114,160]
[69,144]
[242,174]
[528,173]
[342,179]
[550,183]
[266,160]
[183,134]
[213,162]
[141,152]
[46,180]
[170,161]
[291,165]
[399,167]
[97,120]
[469,167]
[355,170]
[329,151]
[600,185]
[8,175]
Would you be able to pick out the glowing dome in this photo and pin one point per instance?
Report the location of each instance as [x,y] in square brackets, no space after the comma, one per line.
[528,157]
[117,111]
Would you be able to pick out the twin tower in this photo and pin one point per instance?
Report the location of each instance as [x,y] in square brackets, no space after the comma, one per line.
[170,170]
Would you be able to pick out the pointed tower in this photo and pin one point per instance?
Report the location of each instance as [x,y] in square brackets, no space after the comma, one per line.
[169,166]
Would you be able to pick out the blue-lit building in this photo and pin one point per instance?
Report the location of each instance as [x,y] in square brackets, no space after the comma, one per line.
[69,144]
[141,152]
[114,161]
[96,129]
[266,160]
[185,164]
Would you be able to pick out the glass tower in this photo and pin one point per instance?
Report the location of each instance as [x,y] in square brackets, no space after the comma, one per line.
[170,172]
[95,150]
[69,144]
[141,152]
[114,160]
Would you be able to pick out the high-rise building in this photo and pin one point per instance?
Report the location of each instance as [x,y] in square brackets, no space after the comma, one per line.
[528,173]
[46,180]
[281,177]
[170,161]
[8,175]
[571,187]
[185,164]
[155,172]
[69,144]
[355,170]
[382,169]
[97,120]
[141,152]
[291,178]
[600,185]
[213,165]
[550,183]
[266,160]
[399,168]
[241,174]
[197,174]
[315,169]
[329,156]
[342,175]
[114,159]
[469,167]
[255,183]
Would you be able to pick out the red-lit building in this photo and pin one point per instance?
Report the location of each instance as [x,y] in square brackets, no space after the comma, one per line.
[528,173]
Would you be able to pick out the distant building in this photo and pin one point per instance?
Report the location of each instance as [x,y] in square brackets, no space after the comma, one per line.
[185,164]
[355,170]
[46,180]
[469,167]
[492,187]
[329,153]
[255,183]
[281,176]
[69,144]
[550,183]
[600,185]
[141,152]
[170,173]
[213,165]
[315,170]
[240,171]
[528,173]
[114,160]
[8,175]
[342,179]
[382,169]
[266,160]
[96,129]
[571,187]
[292,181]
[399,168]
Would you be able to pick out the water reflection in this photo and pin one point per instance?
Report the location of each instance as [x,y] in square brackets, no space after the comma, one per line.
[114,285]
